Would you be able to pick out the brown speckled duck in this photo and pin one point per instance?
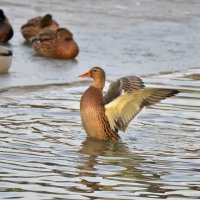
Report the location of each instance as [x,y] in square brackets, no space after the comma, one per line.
[37,25]
[55,44]
[6,31]
[104,115]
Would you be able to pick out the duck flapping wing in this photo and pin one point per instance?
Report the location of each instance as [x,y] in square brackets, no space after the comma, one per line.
[123,109]
[124,84]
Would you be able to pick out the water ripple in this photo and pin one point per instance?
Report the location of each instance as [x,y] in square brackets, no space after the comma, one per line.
[45,153]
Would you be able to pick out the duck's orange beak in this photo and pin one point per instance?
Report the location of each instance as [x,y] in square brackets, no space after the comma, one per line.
[88,74]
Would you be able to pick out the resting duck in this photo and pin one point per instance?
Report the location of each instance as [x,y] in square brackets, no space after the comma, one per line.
[103,116]
[55,44]
[5,59]
[6,31]
[37,25]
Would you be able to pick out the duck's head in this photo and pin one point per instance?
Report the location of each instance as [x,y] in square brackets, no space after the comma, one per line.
[46,20]
[97,74]
[64,34]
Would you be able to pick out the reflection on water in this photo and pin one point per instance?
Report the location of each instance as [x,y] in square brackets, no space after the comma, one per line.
[45,153]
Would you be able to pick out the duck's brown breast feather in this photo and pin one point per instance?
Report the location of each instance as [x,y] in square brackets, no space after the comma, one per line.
[93,115]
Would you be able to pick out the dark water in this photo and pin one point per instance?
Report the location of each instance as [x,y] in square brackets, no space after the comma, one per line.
[44,153]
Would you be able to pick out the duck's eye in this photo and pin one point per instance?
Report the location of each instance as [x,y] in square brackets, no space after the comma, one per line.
[94,70]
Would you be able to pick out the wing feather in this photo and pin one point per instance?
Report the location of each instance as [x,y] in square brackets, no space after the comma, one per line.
[44,36]
[124,84]
[124,108]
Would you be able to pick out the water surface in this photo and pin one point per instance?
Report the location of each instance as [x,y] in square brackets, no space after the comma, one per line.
[45,153]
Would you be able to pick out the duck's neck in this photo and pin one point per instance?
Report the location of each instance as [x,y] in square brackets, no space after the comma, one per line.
[99,83]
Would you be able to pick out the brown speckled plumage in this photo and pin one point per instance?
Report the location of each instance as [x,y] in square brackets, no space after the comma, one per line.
[103,116]
[37,25]
[55,44]
[93,115]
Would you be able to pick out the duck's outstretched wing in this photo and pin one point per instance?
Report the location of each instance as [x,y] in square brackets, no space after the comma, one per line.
[124,108]
[124,84]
